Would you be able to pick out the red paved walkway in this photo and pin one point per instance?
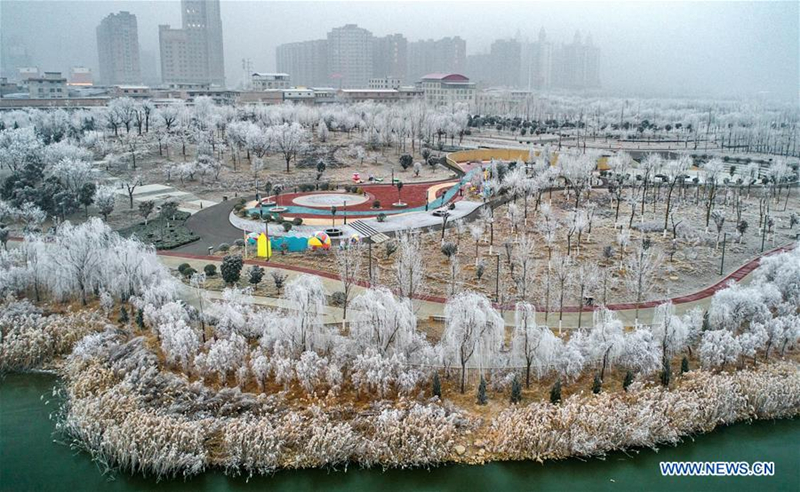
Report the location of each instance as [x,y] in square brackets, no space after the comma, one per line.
[414,194]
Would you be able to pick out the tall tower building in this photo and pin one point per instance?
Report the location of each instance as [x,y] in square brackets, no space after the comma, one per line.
[306,62]
[537,63]
[446,55]
[194,53]
[118,49]
[390,57]
[505,56]
[350,56]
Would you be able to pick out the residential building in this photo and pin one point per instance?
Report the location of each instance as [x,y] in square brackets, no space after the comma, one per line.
[26,73]
[51,86]
[350,56]
[505,59]
[266,81]
[401,94]
[302,95]
[148,60]
[446,55]
[268,96]
[505,101]
[118,49]
[7,87]
[132,91]
[194,53]
[479,68]
[324,95]
[440,89]
[499,67]
[390,57]
[80,76]
[306,61]
[13,56]
[384,83]
[536,69]
[577,64]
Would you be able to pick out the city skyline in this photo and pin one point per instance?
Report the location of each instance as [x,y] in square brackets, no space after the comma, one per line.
[752,47]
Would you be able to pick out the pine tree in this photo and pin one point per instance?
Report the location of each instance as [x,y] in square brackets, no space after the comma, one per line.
[555,393]
[231,269]
[482,392]
[437,386]
[140,319]
[706,324]
[666,374]
[516,390]
[627,381]
[123,316]
[597,384]
[684,365]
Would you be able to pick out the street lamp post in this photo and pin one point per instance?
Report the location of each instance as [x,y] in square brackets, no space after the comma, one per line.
[497,280]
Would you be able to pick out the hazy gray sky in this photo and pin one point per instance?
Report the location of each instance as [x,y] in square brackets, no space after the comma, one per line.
[665,47]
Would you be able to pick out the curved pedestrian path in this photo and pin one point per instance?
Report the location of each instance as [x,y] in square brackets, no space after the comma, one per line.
[433,306]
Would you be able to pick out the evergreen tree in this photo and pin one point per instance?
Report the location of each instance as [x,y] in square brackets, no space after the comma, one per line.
[666,374]
[140,319]
[123,316]
[482,392]
[706,324]
[437,386]
[516,390]
[555,393]
[256,275]
[684,365]
[597,384]
[231,268]
[627,381]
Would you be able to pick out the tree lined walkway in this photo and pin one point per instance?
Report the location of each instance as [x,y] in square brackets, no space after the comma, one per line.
[433,306]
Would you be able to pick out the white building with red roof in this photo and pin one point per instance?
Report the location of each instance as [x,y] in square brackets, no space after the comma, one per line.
[447,89]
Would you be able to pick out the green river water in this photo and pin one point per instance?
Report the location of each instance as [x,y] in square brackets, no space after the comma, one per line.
[30,460]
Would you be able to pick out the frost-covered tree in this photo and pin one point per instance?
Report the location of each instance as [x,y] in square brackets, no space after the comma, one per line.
[669,331]
[409,270]
[532,345]
[289,140]
[639,270]
[382,321]
[180,342]
[349,260]
[304,329]
[605,342]
[719,347]
[473,333]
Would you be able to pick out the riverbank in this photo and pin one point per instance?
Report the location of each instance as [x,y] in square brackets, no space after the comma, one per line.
[133,416]
[30,460]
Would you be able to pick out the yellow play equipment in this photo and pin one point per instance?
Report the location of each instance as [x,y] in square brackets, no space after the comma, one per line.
[264,246]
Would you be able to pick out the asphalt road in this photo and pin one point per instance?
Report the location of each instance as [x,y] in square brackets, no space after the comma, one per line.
[213,227]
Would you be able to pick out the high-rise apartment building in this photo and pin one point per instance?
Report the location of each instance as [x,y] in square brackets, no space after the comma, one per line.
[306,62]
[505,56]
[118,49]
[13,56]
[194,54]
[350,56]
[446,55]
[390,57]
[537,63]
[577,64]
